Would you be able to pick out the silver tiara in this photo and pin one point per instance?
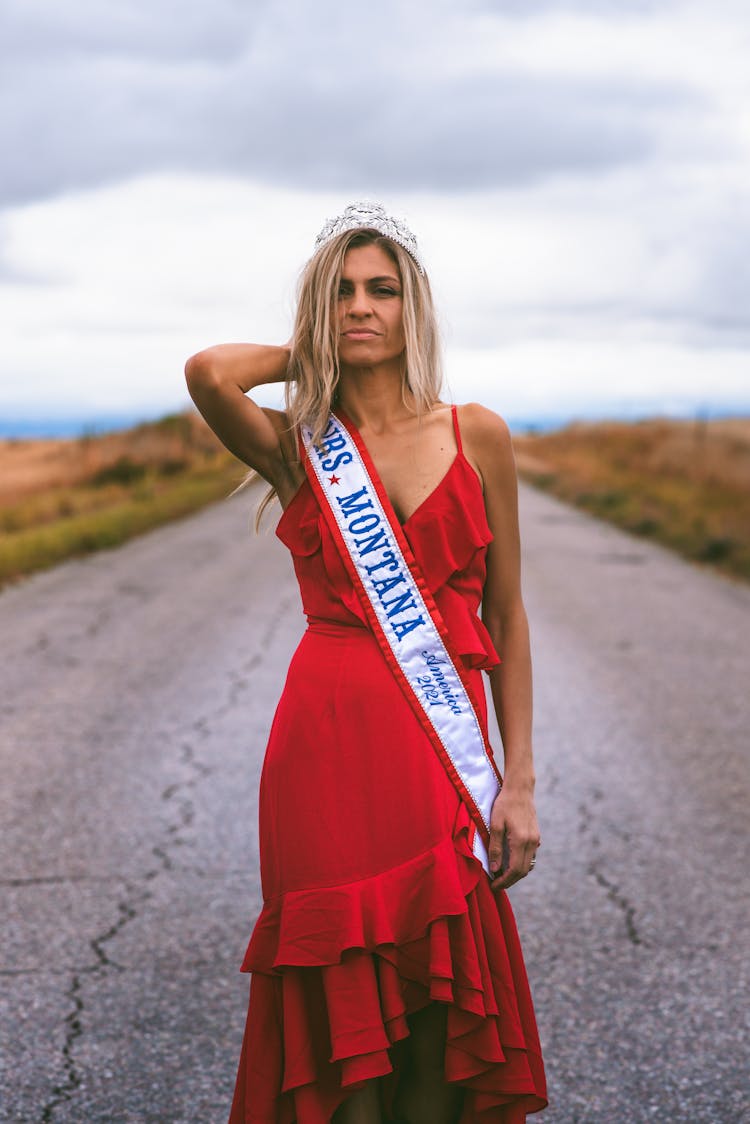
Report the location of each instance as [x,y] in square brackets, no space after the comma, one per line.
[370,216]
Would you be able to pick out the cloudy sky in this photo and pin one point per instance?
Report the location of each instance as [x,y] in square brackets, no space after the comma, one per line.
[577,174]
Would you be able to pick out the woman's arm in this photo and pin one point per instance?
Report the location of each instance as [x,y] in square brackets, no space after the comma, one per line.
[218,379]
[514,831]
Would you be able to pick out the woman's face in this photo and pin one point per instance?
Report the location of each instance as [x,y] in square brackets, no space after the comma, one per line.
[370,307]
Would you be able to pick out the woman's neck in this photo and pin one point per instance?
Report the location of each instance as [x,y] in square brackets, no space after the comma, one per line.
[373,398]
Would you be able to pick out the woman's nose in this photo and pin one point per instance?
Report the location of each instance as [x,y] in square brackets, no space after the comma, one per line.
[359,302]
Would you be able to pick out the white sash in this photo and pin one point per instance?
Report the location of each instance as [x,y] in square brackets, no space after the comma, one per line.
[403,615]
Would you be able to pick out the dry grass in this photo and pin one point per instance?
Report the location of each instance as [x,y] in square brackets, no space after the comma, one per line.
[66,497]
[31,466]
[683,483]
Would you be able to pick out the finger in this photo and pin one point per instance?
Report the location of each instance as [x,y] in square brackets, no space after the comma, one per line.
[505,879]
[497,851]
[516,868]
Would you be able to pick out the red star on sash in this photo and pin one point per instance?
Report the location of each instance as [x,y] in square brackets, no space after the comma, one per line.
[333,480]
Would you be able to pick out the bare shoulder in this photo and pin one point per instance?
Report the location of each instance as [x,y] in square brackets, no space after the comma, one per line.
[481,424]
[487,441]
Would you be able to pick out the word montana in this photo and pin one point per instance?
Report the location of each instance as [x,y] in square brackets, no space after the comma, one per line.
[370,540]
[367,533]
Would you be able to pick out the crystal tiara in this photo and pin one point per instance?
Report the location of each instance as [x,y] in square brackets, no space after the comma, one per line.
[370,216]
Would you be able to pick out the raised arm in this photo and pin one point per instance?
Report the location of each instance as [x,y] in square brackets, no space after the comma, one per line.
[514,829]
[218,380]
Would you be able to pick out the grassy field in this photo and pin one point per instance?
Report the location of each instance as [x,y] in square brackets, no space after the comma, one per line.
[682,483]
[685,484]
[66,497]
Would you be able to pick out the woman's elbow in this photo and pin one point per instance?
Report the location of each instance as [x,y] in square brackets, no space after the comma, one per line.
[500,620]
[199,367]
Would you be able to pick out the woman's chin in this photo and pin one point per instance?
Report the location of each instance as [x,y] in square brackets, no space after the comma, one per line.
[366,354]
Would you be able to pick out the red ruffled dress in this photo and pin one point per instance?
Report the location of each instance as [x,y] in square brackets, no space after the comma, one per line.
[374,904]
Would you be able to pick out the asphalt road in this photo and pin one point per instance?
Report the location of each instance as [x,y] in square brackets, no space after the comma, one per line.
[137,691]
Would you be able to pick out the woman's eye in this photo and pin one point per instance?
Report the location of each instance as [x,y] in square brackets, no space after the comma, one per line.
[346,291]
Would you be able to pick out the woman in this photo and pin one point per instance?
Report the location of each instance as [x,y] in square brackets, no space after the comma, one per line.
[387,978]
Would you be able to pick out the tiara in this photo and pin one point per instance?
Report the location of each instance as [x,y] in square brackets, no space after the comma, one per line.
[370,216]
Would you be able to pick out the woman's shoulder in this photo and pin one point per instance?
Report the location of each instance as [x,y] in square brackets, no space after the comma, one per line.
[489,447]
[482,426]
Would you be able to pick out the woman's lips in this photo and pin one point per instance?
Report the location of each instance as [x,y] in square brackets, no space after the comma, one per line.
[360,334]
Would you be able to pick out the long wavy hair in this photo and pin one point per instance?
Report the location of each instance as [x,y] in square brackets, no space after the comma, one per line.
[311,386]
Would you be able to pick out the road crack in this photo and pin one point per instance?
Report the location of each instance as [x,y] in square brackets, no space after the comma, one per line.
[622,903]
[53,880]
[67,1088]
[176,796]
[587,817]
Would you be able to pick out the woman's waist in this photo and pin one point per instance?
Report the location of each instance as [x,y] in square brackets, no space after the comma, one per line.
[334,655]
[336,627]
[467,638]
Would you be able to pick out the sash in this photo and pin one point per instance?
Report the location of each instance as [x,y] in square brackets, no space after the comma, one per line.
[403,616]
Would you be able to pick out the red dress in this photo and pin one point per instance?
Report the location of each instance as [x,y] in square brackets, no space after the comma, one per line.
[374,903]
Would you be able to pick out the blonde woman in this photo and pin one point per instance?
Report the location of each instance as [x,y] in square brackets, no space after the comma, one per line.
[387,977]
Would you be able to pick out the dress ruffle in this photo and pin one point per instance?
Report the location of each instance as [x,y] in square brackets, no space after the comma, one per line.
[451,555]
[340,967]
[447,545]
[468,633]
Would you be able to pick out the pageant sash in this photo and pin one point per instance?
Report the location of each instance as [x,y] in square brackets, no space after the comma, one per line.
[403,615]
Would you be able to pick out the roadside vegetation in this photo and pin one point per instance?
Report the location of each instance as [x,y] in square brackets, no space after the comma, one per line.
[685,484]
[67,497]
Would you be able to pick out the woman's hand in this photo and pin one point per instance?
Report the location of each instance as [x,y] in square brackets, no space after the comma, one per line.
[514,837]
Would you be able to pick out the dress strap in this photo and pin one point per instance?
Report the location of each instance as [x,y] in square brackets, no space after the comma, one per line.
[456,430]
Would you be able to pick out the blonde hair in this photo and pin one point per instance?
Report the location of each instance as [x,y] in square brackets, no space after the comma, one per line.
[313,374]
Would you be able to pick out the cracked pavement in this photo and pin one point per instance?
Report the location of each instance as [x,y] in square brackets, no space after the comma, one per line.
[138,688]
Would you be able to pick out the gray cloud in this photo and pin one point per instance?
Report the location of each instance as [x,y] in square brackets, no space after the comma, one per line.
[530,9]
[299,96]
[162,29]
[720,302]
[709,309]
